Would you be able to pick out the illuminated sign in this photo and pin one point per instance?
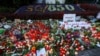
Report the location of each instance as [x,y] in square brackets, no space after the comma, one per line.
[47,8]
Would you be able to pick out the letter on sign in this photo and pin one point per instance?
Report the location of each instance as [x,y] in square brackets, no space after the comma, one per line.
[60,8]
[70,7]
[30,8]
[51,8]
[38,8]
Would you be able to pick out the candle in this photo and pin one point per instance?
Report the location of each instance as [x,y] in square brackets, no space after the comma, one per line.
[76,53]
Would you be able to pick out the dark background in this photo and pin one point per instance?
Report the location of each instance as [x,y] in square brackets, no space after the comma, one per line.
[18,3]
[13,5]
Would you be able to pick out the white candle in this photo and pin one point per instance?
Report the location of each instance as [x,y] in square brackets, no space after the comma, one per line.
[76,53]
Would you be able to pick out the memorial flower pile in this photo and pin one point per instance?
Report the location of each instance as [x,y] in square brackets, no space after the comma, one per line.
[46,38]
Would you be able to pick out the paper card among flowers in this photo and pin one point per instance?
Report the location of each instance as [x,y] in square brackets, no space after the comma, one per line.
[41,52]
[17,21]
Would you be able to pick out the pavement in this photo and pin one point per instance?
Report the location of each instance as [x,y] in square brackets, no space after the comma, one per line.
[91,52]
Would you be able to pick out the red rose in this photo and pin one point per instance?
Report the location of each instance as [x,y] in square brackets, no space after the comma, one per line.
[1,51]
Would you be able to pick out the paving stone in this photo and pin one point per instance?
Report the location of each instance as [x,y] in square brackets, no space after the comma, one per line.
[91,52]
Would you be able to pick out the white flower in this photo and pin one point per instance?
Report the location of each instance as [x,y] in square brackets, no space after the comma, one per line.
[7,26]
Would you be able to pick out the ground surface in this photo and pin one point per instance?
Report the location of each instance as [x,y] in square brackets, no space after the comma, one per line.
[92,52]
